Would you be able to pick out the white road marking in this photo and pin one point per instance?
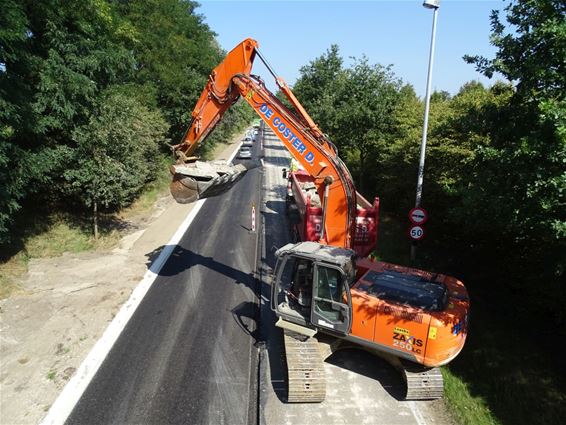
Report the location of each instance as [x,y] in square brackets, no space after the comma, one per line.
[69,397]
[416,412]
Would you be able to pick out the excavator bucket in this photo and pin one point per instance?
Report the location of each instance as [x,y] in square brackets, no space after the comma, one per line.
[200,179]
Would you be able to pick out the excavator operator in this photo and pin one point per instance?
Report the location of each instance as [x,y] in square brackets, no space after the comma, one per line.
[301,288]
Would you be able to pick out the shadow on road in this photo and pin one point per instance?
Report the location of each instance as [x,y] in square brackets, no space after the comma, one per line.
[364,363]
[273,146]
[182,259]
[250,311]
[276,161]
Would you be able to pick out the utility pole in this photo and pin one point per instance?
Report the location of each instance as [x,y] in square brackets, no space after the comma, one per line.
[434,5]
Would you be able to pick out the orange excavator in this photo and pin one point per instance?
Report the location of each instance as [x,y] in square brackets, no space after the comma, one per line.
[325,297]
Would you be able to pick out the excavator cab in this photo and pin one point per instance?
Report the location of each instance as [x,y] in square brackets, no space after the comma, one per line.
[311,288]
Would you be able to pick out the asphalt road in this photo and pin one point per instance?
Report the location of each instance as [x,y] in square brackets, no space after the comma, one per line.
[189,355]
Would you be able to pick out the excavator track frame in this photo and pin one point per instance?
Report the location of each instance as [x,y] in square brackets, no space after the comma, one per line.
[422,383]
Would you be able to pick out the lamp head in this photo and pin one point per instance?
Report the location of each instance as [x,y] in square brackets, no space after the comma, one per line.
[431,4]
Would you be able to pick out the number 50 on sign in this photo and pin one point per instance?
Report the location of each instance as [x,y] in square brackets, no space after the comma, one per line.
[416,233]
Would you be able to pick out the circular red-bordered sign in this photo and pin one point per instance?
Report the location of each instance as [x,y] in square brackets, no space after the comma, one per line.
[418,216]
[416,232]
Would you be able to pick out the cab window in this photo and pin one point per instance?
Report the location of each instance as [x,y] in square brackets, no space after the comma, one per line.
[330,289]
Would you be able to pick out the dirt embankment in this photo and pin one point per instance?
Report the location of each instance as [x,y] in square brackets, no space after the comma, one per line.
[48,328]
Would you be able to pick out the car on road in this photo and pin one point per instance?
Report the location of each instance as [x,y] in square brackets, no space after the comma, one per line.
[245,153]
[247,141]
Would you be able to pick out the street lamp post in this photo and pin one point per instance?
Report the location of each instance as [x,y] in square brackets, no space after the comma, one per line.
[434,5]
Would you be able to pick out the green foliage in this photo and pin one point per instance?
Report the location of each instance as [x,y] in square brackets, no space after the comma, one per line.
[354,106]
[78,65]
[116,153]
[523,167]
[320,90]
[13,23]
[531,147]
[11,186]
[531,49]
[365,119]
[56,58]
[174,53]
[66,69]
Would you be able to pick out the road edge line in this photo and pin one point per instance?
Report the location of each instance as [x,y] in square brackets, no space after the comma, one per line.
[72,392]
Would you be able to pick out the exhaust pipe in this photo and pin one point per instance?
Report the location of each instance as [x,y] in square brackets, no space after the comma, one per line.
[200,179]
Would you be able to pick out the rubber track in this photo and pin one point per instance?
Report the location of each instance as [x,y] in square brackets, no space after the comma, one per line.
[305,369]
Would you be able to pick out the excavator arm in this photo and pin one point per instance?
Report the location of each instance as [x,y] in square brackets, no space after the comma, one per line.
[216,97]
[297,131]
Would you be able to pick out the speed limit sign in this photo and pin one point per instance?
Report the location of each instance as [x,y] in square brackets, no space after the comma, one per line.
[416,233]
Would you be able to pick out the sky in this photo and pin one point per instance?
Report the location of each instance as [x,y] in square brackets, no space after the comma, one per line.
[398,33]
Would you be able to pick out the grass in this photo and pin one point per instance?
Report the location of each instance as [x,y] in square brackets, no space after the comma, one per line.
[466,408]
[63,236]
[10,272]
[60,236]
[511,369]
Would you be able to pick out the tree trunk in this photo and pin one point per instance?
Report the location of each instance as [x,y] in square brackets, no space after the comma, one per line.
[95,219]
[360,187]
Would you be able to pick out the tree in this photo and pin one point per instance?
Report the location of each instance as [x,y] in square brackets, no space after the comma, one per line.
[62,62]
[365,116]
[55,58]
[319,88]
[11,186]
[519,178]
[354,106]
[12,35]
[174,52]
[531,146]
[397,172]
[117,153]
